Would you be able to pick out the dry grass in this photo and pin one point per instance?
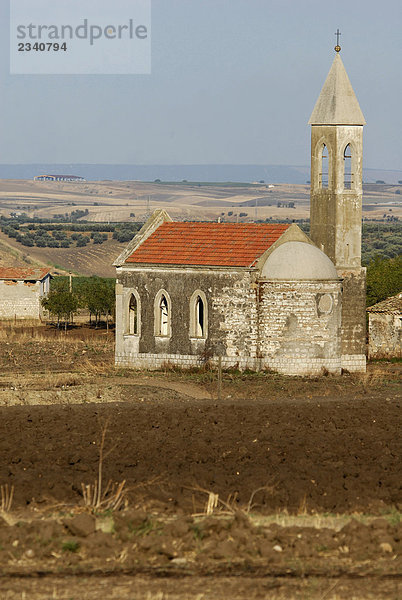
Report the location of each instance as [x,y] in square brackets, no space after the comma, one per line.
[111,498]
[216,506]
[7,495]
[49,351]
[114,494]
[100,367]
[21,332]
[372,378]
[44,382]
[60,380]
[41,332]
[163,596]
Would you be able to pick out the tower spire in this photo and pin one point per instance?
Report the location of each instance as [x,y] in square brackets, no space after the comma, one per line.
[337,103]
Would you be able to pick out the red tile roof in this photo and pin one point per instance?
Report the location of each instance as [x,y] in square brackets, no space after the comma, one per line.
[215,244]
[23,274]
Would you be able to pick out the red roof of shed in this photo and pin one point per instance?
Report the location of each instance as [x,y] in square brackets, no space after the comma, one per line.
[217,244]
[23,274]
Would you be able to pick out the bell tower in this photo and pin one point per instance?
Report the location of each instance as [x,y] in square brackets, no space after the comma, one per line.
[336,200]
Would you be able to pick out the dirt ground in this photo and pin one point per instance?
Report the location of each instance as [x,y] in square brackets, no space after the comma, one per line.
[329,456]
[282,488]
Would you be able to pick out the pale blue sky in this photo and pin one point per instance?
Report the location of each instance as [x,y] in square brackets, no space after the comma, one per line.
[233,82]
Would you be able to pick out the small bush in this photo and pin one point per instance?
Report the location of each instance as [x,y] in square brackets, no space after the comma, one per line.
[70,546]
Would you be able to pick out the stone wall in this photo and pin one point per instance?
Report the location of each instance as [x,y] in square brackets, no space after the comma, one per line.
[232,314]
[159,361]
[20,299]
[354,319]
[385,335]
[300,326]
[291,327]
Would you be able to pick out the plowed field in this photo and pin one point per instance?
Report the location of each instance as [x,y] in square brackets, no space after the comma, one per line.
[303,479]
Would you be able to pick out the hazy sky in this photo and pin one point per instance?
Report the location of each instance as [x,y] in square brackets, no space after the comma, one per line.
[233,81]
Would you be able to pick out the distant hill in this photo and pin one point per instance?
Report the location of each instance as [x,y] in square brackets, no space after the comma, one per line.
[215,173]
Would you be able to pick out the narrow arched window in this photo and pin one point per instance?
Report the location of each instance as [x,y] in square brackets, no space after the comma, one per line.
[323,171]
[347,168]
[162,314]
[133,328]
[198,315]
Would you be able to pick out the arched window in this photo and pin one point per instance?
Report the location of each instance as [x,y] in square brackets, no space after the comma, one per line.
[132,317]
[323,171]
[198,315]
[133,328]
[347,168]
[162,314]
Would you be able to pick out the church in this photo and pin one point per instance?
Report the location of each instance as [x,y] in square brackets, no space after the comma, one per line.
[258,296]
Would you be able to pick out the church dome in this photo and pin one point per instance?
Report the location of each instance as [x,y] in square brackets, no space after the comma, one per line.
[298,261]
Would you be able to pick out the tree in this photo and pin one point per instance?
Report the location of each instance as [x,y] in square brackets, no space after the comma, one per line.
[124,235]
[62,303]
[27,240]
[384,279]
[82,241]
[97,238]
[98,296]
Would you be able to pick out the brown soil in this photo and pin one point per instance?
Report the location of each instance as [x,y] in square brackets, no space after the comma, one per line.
[331,456]
[194,550]
[125,587]
[272,446]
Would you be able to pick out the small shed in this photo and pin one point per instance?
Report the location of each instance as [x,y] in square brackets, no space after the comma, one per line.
[385,328]
[21,290]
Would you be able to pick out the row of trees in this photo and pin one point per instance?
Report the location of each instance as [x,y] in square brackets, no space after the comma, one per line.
[57,239]
[95,294]
[24,223]
[57,236]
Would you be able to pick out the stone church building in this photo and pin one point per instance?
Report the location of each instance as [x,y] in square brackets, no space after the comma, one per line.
[258,295]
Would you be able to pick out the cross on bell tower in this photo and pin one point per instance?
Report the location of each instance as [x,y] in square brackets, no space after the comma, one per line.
[337,47]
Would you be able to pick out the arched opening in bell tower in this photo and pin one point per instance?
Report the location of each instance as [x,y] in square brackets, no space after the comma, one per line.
[323,170]
[347,168]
